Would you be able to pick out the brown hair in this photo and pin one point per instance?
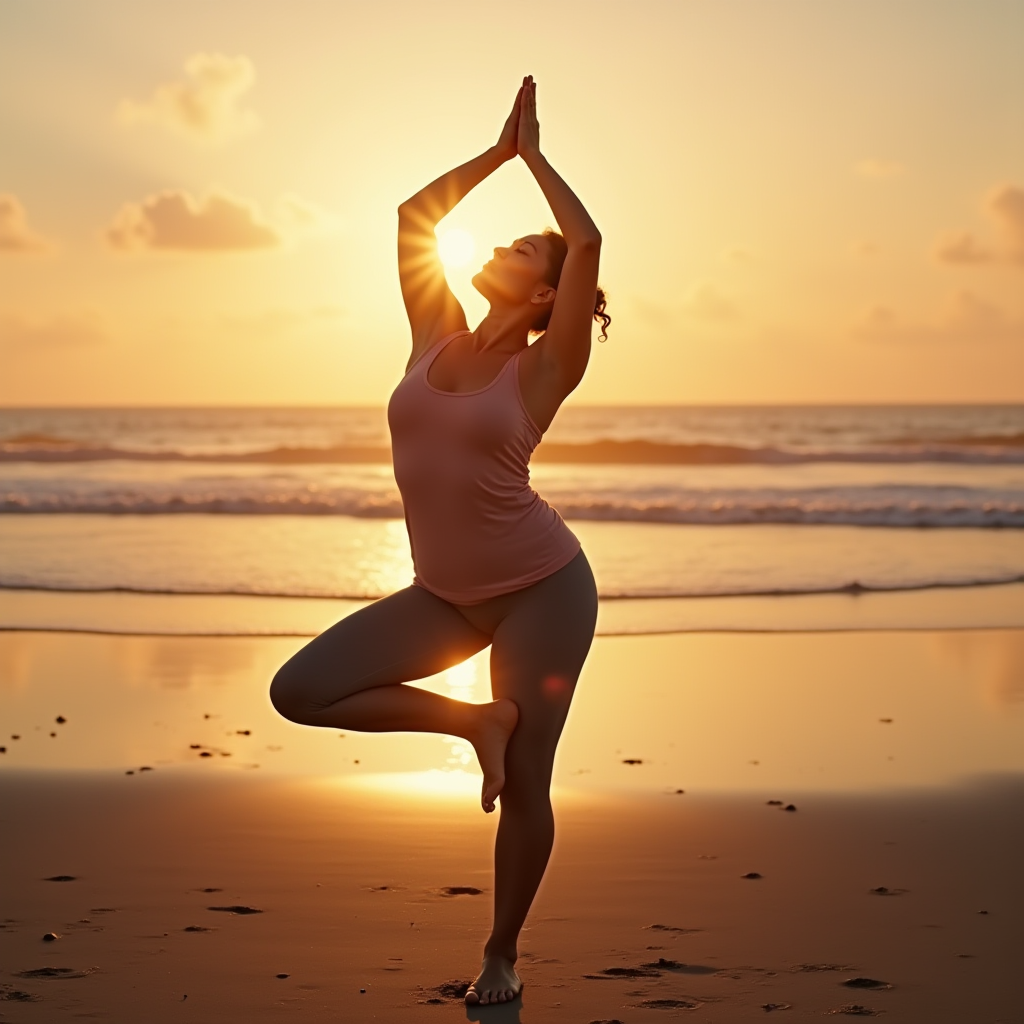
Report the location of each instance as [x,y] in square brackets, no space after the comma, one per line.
[558,249]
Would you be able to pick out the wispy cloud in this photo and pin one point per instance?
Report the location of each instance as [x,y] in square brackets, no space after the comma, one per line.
[63,329]
[964,318]
[705,301]
[1004,205]
[176,220]
[206,105]
[879,169]
[16,236]
[218,222]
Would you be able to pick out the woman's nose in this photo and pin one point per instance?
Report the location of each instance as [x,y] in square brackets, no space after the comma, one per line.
[500,251]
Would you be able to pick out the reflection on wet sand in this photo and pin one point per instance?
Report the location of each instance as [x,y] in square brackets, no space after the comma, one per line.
[697,712]
[731,810]
[997,658]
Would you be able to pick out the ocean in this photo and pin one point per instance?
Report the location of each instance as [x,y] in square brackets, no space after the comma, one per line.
[676,507]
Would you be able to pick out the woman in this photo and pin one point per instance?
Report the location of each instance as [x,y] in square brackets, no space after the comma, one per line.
[494,563]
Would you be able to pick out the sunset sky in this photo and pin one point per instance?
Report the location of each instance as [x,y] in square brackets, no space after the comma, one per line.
[800,201]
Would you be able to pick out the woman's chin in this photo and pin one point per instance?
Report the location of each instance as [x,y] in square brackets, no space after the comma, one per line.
[482,285]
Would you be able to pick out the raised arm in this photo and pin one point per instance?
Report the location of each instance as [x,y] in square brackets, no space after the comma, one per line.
[432,308]
[564,348]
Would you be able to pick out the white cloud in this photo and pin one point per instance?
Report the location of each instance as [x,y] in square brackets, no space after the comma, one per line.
[206,105]
[175,220]
[1004,205]
[16,236]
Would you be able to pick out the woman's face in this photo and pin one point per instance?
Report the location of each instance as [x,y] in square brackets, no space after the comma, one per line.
[515,274]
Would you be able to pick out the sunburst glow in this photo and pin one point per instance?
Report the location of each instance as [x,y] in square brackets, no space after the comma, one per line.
[456,248]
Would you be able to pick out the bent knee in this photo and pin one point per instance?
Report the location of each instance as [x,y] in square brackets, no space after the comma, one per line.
[287,694]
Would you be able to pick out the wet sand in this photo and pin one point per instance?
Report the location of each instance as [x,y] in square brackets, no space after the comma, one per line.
[645,915]
[898,869]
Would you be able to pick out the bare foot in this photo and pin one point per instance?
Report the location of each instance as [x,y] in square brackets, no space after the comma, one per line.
[497,982]
[494,725]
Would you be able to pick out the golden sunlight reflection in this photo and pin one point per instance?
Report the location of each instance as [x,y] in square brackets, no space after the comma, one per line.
[461,682]
[782,711]
[433,782]
[384,566]
[459,774]
[455,247]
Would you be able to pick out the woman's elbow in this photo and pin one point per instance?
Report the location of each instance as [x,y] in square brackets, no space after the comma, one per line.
[590,242]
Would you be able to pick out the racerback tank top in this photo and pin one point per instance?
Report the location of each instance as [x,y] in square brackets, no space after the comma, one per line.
[476,527]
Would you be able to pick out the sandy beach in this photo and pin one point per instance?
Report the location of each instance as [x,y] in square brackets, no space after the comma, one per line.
[892,888]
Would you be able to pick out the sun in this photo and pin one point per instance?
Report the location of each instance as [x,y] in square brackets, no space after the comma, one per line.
[456,248]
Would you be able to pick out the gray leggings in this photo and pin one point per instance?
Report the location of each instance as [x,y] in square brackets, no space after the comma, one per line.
[539,637]
[349,676]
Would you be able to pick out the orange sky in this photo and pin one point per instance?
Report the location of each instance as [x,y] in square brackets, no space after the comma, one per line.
[800,202]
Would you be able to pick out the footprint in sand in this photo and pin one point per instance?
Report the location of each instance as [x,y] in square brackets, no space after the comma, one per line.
[14,995]
[623,972]
[446,992]
[460,890]
[654,969]
[871,983]
[816,968]
[661,964]
[855,1010]
[883,890]
[56,972]
[670,1004]
[237,909]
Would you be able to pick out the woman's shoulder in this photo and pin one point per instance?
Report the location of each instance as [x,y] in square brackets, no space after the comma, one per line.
[423,348]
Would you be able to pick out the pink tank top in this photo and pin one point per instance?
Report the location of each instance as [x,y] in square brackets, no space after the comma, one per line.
[476,527]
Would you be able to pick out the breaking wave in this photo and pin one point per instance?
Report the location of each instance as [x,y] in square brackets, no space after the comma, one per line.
[987,450]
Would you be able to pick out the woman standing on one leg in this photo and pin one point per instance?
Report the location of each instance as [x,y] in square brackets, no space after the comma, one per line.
[494,563]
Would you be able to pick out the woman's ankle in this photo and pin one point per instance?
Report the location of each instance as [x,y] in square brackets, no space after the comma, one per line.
[505,951]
